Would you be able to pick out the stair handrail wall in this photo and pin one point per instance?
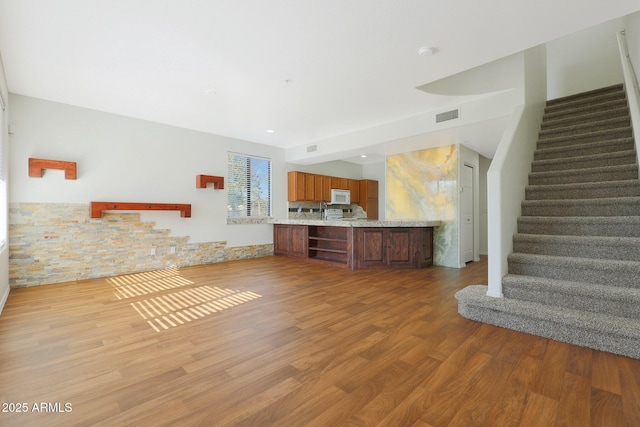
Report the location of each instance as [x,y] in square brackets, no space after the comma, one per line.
[631,88]
[507,178]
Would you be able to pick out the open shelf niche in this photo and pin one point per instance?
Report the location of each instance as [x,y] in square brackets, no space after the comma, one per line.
[203,180]
[37,167]
[98,207]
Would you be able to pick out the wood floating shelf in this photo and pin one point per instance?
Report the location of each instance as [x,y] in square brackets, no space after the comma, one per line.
[37,167]
[98,207]
[203,180]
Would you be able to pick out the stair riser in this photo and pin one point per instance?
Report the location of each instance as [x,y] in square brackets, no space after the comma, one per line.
[585,193]
[555,105]
[582,209]
[615,252]
[549,123]
[574,229]
[627,278]
[575,163]
[593,304]
[593,127]
[584,138]
[573,151]
[553,329]
[586,109]
[584,177]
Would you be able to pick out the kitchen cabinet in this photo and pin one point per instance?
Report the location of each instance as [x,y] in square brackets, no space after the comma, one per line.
[290,240]
[296,186]
[354,189]
[369,197]
[409,247]
[309,187]
[356,245]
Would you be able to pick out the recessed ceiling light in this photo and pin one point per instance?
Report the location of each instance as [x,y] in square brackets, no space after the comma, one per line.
[426,51]
[363,156]
[210,91]
[270,131]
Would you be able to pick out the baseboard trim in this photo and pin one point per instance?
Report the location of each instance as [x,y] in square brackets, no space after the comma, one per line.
[4,298]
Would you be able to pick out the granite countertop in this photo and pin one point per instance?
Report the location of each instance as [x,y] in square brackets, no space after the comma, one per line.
[357,223]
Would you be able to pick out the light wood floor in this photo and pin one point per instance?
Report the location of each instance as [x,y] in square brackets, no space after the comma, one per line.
[275,341]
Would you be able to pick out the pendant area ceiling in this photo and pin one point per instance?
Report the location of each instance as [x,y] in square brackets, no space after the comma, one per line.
[308,70]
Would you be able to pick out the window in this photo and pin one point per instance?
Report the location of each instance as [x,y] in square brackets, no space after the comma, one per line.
[3,179]
[249,186]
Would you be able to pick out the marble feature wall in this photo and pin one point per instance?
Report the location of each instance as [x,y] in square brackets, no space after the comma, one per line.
[59,242]
[423,185]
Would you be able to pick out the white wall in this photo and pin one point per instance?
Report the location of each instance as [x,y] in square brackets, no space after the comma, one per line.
[4,251]
[584,60]
[125,159]
[484,218]
[508,173]
[337,168]
[632,29]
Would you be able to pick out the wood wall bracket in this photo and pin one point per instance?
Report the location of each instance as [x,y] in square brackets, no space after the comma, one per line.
[203,180]
[98,207]
[37,167]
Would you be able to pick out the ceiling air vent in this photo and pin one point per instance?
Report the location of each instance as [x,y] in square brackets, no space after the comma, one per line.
[447,115]
[311,148]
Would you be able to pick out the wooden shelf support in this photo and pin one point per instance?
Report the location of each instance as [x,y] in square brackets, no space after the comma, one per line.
[37,167]
[98,207]
[203,180]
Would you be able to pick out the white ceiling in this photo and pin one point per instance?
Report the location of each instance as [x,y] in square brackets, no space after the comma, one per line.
[307,69]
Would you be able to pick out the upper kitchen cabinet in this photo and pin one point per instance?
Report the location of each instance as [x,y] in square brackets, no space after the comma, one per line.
[354,189]
[369,197]
[309,187]
[297,182]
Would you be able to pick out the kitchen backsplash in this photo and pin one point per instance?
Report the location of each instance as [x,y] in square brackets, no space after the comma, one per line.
[311,210]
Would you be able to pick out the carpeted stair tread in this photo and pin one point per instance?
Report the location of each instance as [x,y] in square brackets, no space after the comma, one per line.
[613,226]
[584,117]
[596,247]
[583,127]
[614,206]
[588,97]
[599,271]
[614,334]
[581,162]
[604,173]
[598,147]
[557,141]
[607,104]
[610,300]
[589,190]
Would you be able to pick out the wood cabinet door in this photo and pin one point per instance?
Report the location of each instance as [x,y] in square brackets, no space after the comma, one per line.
[326,188]
[281,239]
[309,187]
[369,248]
[354,189]
[296,186]
[299,240]
[318,188]
[400,247]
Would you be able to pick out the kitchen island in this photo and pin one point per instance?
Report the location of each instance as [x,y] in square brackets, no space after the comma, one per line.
[356,244]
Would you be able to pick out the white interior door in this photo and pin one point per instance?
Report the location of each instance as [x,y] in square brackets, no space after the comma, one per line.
[466,210]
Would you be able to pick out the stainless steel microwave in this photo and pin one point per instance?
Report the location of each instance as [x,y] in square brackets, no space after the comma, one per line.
[340,197]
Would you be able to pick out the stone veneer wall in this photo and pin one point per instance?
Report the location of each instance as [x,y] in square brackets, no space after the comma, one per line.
[57,242]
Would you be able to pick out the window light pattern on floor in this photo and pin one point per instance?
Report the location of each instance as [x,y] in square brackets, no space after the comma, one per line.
[134,285]
[173,307]
[177,308]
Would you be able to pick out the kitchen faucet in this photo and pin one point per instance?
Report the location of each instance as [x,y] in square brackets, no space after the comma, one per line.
[323,215]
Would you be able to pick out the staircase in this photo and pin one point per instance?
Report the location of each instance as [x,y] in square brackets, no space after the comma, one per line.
[574,274]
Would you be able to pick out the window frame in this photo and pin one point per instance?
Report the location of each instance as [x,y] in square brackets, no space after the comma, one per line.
[249,213]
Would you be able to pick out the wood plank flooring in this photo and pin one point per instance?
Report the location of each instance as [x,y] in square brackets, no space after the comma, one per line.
[280,342]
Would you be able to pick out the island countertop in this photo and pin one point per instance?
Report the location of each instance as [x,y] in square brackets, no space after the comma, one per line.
[356,223]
